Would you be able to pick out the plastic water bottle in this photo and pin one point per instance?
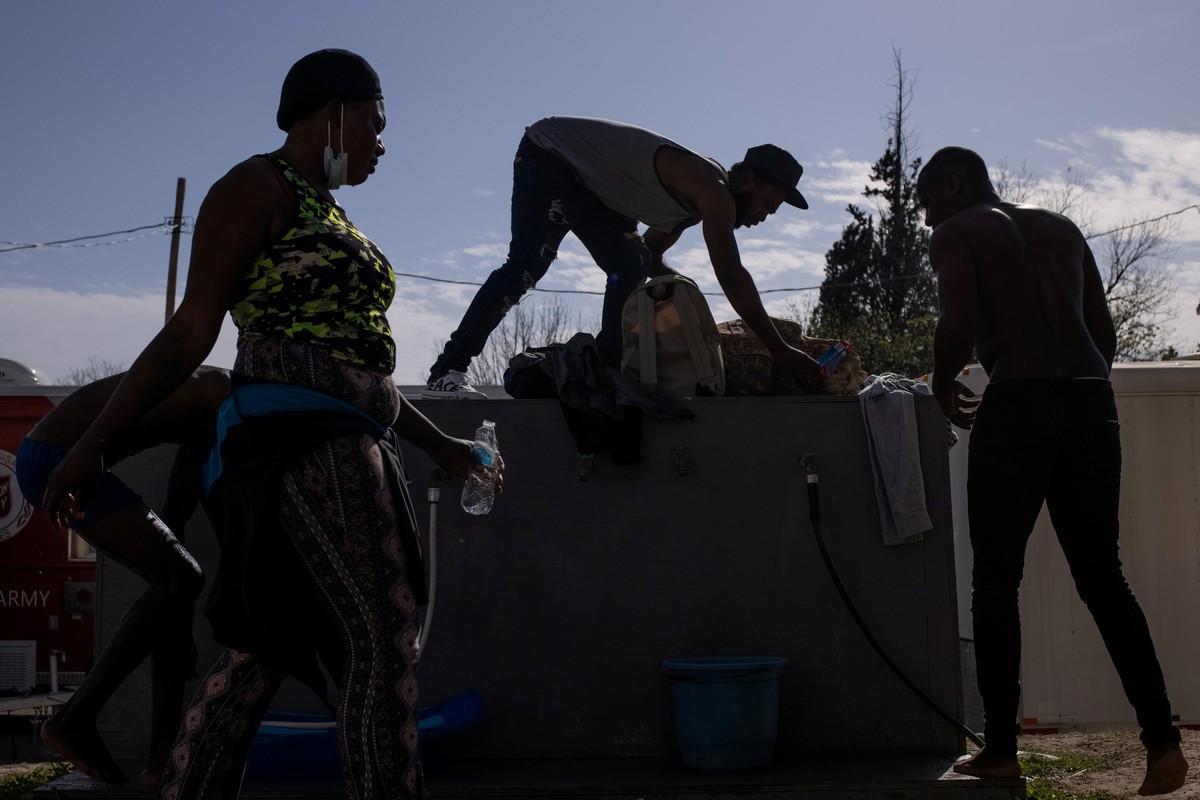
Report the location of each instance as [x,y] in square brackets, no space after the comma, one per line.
[479,490]
[830,359]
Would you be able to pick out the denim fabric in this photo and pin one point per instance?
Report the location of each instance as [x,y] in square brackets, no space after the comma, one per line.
[1058,442]
[547,202]
[35,462]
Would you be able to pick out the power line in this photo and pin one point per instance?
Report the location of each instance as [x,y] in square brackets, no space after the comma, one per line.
[1185,209]
[166,226]
[1144,222]
[476,283]
[710,294]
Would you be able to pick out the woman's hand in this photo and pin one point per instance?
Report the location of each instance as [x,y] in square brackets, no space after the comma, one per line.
[455,456]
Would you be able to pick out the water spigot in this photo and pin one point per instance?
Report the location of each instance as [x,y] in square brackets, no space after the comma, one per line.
[681,461]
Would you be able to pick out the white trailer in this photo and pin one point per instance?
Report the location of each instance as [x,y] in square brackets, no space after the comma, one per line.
[1067,678]
[14,373]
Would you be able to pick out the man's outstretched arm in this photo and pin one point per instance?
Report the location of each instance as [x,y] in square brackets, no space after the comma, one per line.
[954,338]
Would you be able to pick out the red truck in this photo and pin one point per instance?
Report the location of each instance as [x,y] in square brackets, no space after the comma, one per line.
[47,575]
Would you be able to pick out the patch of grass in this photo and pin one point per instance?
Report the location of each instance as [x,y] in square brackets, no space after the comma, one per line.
[1041,790]
[1041,772]
[1037,765]
[18,785]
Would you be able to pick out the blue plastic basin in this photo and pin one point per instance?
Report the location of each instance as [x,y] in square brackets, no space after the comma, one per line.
[726,710]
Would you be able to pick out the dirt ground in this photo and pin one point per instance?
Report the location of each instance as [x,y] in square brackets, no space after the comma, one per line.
[1123,779]
[19,768]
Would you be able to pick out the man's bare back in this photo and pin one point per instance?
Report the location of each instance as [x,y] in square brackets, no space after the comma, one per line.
[1018,286]
[1036,279]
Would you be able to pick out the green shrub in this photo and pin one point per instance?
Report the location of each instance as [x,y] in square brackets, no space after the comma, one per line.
[19,785]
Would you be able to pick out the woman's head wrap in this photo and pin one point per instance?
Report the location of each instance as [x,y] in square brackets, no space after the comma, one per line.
[323,76]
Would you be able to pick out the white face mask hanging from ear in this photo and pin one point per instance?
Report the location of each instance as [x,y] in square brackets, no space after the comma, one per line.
[335,166]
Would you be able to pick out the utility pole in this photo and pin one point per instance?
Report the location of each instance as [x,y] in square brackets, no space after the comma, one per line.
[173,268]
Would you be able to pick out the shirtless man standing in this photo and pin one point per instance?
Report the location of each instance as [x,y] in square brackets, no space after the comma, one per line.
[1019,285]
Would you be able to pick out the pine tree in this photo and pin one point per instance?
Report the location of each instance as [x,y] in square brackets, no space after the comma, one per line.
[879,291]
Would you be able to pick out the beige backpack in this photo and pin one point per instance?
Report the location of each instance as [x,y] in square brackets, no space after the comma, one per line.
[670,341]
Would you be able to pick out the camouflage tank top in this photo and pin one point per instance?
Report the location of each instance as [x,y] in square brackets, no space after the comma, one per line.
[322,283]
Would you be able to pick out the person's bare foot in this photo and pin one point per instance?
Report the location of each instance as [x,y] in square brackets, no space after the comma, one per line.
[1165,769]
[985,765]
[151,778]
[83,749]
[156,762]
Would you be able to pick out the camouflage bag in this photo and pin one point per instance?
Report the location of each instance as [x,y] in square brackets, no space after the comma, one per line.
[750,371]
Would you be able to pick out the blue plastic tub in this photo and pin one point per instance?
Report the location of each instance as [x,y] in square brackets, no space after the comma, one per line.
[726,710]
[295,745]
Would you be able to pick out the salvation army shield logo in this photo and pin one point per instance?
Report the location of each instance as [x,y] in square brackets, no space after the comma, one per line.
[15,511]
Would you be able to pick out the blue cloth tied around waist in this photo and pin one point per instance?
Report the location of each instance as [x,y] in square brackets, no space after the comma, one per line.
[261,399]
[261,600]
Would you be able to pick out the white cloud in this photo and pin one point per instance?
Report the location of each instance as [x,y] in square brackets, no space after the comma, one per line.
[838,180]
[492,252]
[1061,146]
[1137,174]
[419,331]
[805,225]
[55,332]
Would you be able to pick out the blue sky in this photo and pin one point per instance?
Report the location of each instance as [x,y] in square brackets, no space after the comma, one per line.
[108,103]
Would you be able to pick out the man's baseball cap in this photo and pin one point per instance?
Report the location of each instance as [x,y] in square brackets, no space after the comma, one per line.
[781,166]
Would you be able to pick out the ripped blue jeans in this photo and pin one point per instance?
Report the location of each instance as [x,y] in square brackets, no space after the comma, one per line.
[547,202]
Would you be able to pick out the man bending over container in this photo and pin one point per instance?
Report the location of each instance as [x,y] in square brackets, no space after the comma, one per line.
[1019,284]
[599,179]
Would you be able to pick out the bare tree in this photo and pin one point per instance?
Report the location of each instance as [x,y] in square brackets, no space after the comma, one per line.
[1130,257]
[1138,289]
[1014,186]
[526,325]
[96,369]
[802,310]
